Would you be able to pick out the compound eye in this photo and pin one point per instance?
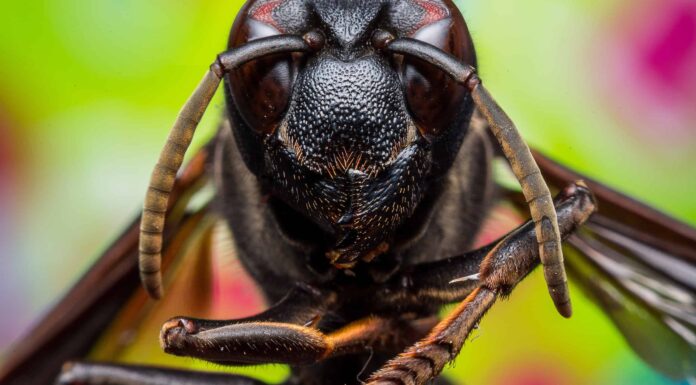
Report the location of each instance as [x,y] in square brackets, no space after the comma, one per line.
[433,98]
[261,88]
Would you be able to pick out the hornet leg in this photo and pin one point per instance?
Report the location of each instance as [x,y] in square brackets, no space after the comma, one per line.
[503,267]
[285,334]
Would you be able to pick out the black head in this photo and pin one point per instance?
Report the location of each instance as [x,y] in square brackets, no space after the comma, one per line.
[349,136]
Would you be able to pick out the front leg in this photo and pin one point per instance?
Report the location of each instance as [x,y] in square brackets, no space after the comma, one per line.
[505,265]
[261,342]
[302,306]
[286,334]
[282,334]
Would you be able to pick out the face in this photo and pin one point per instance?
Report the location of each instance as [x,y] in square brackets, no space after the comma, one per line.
[350,137]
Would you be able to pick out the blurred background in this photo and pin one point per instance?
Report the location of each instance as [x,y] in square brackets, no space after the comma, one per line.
[88,90]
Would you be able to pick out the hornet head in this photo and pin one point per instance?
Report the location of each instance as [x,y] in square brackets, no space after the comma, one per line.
[349,136]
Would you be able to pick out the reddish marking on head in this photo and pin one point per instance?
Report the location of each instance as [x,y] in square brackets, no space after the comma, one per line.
[264,13]
[433,12]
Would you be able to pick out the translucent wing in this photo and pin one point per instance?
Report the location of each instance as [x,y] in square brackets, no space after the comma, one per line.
[640,266]
[203,279]
[637,264]
[107,316]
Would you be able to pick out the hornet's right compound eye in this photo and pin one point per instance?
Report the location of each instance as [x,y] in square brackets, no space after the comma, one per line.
[261,88]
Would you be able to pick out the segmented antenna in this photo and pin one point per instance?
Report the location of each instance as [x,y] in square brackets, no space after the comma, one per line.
[162,183]
[534,188]
[535,191]
[172,155]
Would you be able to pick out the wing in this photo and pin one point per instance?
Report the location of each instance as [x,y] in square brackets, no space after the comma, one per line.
[637,264]
[640,267]
[107,316]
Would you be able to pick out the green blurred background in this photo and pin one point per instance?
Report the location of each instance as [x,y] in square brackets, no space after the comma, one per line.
[88,90]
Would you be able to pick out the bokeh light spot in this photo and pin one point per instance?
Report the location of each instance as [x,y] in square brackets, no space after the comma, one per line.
[533,373]
[650,66]
[668,57]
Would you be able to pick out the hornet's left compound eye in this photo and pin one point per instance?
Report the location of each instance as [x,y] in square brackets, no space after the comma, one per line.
[261,88]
